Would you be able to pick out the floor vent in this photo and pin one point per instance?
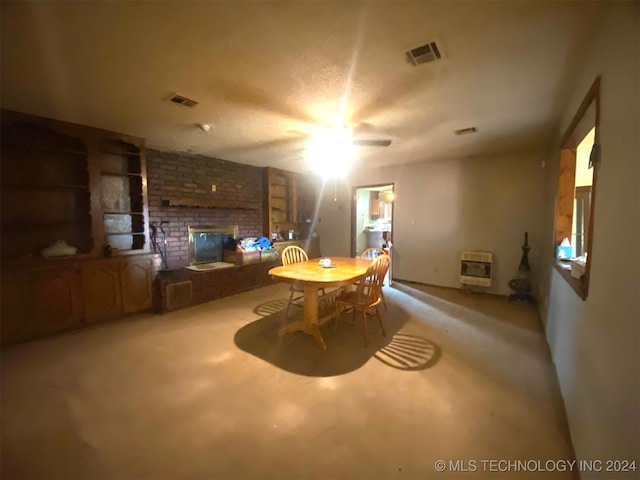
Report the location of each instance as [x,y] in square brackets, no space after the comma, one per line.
[179,295]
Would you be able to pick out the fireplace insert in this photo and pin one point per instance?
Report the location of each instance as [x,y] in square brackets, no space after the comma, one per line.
[206,242]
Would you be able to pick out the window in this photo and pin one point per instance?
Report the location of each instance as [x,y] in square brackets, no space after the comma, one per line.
[579,162]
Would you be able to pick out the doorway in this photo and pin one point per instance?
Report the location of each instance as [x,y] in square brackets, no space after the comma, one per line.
[372,218]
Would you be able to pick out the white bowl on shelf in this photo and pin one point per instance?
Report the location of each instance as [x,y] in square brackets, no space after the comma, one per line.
[58,249]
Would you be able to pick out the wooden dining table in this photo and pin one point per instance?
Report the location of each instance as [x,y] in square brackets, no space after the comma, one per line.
[312,277]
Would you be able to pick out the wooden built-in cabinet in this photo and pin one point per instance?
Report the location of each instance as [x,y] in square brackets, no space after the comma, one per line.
[49,297]
[111,289]
[122,194]
[57,299]
[45,188]
[88,188]
[101,292]
[290,201]
[62,181]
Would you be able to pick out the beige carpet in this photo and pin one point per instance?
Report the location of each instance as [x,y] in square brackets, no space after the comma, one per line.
[213,392]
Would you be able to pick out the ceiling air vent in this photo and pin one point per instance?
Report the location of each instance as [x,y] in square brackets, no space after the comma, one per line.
[464,131]
[180,100]
[426,53]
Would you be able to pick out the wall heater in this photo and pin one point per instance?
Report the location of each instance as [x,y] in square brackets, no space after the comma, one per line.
[476,268]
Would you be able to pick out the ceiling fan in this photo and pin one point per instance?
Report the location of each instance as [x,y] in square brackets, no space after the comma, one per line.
[363,134]
[372,143]
[362,129]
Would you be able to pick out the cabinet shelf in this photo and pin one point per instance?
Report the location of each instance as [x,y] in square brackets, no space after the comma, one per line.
[104,212]
[42,186]
[119,152]
[123,233]
[123,174]
[57,177]
[43,148]
[29,228]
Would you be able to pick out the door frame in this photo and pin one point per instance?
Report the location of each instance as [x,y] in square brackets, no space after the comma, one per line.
[354,206]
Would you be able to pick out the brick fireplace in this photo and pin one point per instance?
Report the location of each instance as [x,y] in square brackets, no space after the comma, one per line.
[174,175]
[207,242]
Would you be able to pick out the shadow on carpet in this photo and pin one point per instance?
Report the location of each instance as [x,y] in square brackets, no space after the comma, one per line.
[300,354]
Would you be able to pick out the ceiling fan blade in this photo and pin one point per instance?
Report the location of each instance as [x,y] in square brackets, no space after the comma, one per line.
[262,100]
[372,143]
[405,87]
[286,143]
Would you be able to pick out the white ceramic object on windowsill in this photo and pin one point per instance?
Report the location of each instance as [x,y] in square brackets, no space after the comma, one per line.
[58,249]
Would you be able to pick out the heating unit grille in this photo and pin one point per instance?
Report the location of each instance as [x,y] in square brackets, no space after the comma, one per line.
[476,268]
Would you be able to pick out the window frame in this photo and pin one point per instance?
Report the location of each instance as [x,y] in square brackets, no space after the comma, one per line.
[568,147]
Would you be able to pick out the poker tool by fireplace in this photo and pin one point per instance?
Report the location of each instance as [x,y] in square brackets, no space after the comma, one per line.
[154,241]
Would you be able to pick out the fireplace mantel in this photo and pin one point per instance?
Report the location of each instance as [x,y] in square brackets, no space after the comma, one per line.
[201,203]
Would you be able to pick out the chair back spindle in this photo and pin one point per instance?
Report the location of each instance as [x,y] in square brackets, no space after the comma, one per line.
[372,253]
[293,254]
[367,296]
[371,288]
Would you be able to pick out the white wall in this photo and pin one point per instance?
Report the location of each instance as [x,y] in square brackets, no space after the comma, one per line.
[362,219]
[488,203]
[334,218]
[445,207]
[595,343]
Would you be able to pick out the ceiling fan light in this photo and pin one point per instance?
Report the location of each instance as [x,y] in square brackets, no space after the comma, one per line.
[330,152]
[387,196]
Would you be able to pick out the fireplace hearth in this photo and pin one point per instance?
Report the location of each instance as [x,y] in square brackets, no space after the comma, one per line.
[206,242]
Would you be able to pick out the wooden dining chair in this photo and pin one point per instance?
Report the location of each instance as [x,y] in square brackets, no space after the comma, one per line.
[371,254]
[367,296]
[294,254]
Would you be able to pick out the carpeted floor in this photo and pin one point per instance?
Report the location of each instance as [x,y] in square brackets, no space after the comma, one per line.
[212,391]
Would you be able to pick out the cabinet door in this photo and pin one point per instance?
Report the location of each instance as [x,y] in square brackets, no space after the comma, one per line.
[136,279]
[313,250]
[101,291]
[16,313]
[57,300]
[374,205]
[306,198]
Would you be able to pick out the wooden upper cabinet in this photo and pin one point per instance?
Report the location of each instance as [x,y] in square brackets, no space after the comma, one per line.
[123,195]
[45,187]
[280,201]
[62,181]
[374,205]
[290,202]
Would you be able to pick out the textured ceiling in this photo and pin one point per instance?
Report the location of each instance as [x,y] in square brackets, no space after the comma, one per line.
[266,73]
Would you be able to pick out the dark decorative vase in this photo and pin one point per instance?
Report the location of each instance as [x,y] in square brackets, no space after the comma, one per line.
[521,285]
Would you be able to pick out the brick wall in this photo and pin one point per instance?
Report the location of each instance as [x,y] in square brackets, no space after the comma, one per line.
[182,175]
